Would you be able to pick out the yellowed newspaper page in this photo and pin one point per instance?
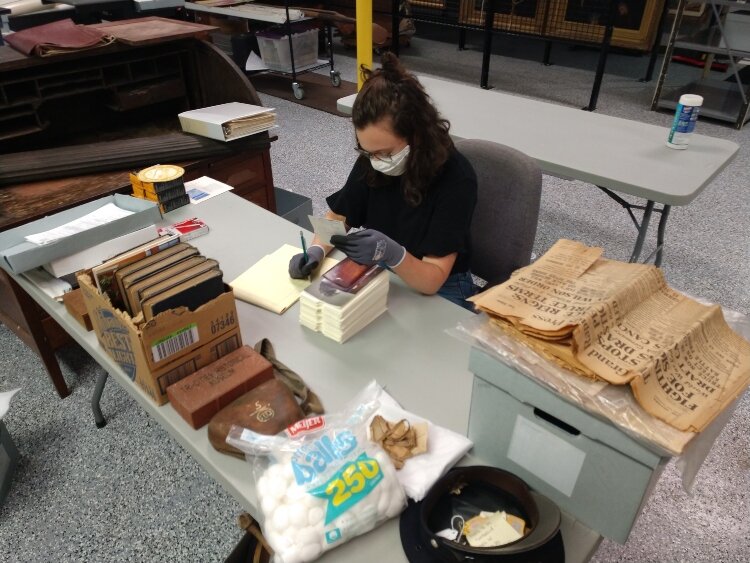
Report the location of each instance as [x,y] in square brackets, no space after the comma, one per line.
[620,322]
[541,298]
[690,383]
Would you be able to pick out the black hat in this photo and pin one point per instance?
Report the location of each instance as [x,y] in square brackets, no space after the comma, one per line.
[466,491]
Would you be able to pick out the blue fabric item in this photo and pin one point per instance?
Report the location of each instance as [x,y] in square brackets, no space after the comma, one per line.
[457,288]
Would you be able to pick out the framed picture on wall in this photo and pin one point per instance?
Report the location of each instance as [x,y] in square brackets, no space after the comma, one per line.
[523,16]
[635,21]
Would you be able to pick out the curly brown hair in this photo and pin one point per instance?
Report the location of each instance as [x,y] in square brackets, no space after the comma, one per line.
[392,92]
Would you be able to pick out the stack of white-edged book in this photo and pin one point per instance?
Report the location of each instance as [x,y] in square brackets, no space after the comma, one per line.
[339,314]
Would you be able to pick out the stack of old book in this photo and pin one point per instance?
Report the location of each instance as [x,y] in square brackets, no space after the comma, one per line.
[159,275]
[344,300]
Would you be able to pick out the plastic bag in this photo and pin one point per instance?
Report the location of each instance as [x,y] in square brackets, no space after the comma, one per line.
[321,482]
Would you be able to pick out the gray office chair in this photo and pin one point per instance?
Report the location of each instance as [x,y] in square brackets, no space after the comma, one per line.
[504,223]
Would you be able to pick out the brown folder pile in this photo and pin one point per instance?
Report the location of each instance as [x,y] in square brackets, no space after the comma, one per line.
[57,38]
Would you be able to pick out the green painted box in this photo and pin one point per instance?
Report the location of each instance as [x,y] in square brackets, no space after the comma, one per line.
[593,470]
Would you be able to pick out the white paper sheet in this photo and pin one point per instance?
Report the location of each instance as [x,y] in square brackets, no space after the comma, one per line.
[204,188]
[326,228]
[5,398]
[105,214]
[49,284]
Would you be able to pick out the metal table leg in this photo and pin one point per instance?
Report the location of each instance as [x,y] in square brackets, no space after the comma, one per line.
[642,226]
[96,398]
[660,233]
[645,220]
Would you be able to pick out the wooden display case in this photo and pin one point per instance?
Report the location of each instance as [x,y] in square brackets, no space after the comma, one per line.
[635,21]
[525,16]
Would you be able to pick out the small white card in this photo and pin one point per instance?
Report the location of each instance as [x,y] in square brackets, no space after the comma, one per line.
[326,228]
[204,188]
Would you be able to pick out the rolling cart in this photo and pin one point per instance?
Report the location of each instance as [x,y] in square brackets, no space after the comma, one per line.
[291,53]
[284,51]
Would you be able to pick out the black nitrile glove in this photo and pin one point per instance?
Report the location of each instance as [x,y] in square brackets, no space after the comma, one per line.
[370,247]
[299,268]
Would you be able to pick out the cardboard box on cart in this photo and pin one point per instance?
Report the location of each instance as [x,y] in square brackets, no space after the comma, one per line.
[171,346]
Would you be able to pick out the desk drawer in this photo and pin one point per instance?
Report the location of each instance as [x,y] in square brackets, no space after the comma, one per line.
[249,173]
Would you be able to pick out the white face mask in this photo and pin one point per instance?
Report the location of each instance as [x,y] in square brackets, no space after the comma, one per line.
[394,165]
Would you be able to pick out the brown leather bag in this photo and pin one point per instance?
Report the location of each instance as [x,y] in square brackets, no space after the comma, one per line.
[267,409]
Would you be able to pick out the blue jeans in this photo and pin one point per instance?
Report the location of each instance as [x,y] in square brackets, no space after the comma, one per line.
[457,288]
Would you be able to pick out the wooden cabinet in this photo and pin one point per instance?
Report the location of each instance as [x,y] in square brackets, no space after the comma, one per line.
[635,21]
[124,90]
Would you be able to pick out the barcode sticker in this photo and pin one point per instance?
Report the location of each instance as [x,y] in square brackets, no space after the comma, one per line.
[175,342]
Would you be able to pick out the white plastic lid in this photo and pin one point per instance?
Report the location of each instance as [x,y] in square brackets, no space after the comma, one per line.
[691,100]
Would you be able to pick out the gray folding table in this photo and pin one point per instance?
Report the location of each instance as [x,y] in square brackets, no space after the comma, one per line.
[620,156]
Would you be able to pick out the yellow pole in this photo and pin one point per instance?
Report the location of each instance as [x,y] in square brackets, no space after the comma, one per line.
[364,37]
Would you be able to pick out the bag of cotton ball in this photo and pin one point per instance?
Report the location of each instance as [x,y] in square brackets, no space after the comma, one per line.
[321,482]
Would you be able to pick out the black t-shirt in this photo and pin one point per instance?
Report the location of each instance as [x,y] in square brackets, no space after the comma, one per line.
[437,227]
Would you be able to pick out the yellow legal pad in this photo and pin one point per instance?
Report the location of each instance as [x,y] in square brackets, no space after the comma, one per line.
[267,283]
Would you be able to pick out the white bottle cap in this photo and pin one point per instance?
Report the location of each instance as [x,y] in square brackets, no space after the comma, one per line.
[691,100]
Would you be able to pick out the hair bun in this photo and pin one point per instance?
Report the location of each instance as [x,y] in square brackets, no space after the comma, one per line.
[391,67]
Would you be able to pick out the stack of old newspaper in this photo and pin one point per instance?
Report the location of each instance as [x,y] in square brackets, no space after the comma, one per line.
[621,323]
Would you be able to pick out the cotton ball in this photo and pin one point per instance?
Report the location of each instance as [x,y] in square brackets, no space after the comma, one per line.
[310,551]
[312,501]
[278,541]
[291,555]
[307,535]
[315,515]
[280,519]
[298,515]
[268,504]
[277,486]
[294,494]
[287,472]
[274,470]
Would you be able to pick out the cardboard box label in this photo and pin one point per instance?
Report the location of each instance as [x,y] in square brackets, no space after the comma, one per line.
[174,343]
[545,455]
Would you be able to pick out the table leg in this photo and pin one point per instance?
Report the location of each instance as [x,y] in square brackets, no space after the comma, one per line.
[660,233]
[642,229]
[96,398]
[20,313]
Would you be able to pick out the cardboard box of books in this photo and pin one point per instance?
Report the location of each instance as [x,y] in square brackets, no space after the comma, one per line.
[172,345]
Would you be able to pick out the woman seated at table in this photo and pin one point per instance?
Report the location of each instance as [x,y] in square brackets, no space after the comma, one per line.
[410,190]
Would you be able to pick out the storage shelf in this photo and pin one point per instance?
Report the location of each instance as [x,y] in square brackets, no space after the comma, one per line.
[708,41]
[721,100]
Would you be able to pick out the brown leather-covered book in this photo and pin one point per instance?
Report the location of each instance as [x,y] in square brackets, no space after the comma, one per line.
[267,409]
[202,394]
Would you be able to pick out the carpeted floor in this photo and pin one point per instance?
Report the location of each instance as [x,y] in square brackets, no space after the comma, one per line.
[128,492]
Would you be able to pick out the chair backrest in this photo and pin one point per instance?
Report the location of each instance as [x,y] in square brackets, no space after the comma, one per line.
[504,223]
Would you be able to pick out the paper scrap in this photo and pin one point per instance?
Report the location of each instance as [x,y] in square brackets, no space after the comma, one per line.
[5,398]
[490,530]
[254,63]
[326,228]
[105,214]
[49,284]
[204,188]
